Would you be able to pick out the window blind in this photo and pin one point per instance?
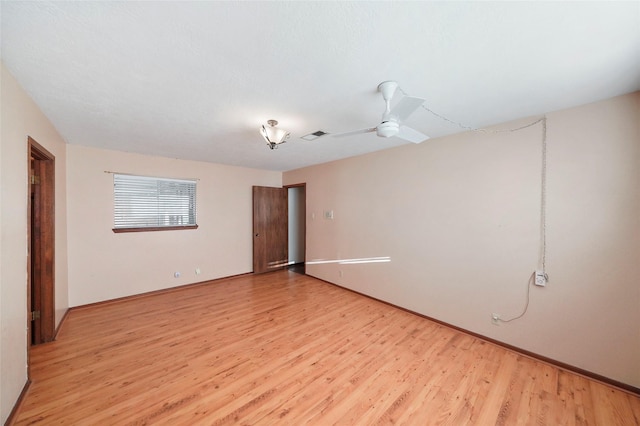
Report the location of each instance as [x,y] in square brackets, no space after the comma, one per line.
[151,202]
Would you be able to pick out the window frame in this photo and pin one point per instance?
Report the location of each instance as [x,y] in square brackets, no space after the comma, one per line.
[192,201]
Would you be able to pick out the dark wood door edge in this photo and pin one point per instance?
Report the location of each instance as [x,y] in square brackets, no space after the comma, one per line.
[295,185]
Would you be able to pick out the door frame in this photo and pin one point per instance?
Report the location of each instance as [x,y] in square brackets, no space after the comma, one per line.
[304,231]
[41,262]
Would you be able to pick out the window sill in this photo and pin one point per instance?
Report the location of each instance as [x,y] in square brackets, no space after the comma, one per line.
[159,228]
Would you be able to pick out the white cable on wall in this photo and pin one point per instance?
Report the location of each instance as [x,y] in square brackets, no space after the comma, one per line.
[543,200]
[542,256]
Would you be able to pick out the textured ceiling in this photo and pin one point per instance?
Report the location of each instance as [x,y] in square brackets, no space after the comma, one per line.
[195,80]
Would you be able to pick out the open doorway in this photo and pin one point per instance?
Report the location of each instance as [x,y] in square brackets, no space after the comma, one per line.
[41,240]
[297,227]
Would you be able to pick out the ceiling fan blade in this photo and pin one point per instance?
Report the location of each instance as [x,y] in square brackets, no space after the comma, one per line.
[411,135]
[406,107]
[355,132]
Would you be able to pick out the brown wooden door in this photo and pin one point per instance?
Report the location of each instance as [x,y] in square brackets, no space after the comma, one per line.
[41,304]
[35,299]
[270,218]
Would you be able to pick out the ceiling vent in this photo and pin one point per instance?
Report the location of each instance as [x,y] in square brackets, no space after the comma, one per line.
[314,135]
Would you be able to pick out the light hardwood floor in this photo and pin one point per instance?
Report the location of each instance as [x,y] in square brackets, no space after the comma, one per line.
[284,348]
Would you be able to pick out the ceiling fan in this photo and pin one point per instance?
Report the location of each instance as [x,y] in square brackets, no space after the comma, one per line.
[391,123]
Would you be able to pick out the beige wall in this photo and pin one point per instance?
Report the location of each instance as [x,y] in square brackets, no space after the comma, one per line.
[459,218]
[104,265]
[20,117]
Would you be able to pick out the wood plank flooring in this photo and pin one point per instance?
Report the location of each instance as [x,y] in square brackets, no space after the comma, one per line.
[284,348]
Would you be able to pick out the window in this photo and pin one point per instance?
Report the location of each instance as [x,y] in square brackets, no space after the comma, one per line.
[152,204]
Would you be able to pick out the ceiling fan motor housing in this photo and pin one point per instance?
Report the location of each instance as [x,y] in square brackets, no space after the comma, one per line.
[387,88]
[386,129]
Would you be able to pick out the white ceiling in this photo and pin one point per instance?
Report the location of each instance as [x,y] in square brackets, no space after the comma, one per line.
[195,80]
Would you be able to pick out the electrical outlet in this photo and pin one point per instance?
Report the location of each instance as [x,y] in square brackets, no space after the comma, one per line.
[540,279]
[176,274]
[197,271]
[495,319]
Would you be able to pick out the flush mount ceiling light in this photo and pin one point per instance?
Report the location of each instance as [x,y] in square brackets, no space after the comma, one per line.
[273,135]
